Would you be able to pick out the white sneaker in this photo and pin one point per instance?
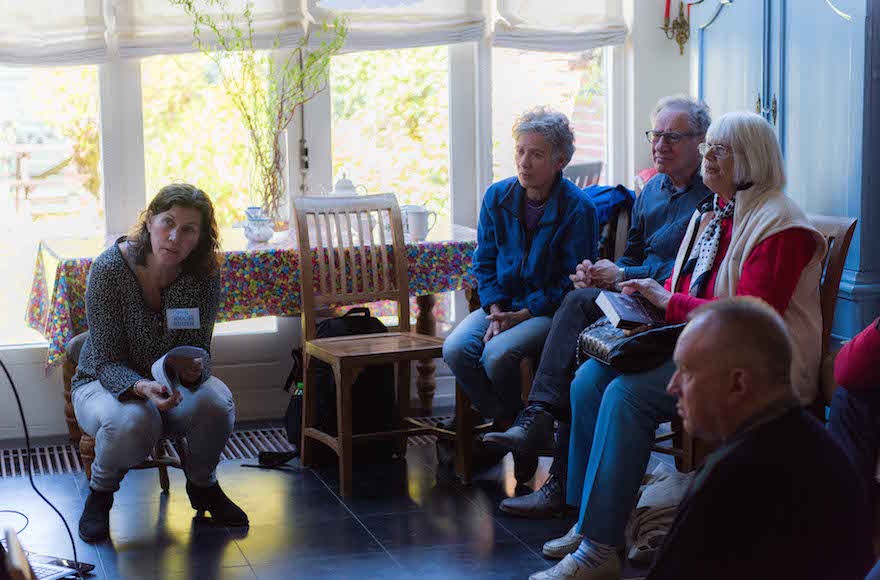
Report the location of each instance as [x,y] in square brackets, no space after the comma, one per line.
[568,569]
[567,544]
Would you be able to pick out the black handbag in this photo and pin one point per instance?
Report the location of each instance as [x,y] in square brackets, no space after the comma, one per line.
[627,354]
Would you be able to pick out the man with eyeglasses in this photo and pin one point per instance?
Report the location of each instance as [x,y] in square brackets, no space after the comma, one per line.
[659,219]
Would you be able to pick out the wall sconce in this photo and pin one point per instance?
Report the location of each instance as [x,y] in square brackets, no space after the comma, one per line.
[678,29]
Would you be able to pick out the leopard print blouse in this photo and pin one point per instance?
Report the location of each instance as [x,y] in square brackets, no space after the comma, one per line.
[125,335]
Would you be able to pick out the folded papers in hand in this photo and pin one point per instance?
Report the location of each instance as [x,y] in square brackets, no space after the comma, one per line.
[164,374]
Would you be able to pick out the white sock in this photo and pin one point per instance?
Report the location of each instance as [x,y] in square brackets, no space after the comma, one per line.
[591,554]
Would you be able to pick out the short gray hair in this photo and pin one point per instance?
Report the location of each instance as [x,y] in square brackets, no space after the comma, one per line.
[757,158]
[699,117]
[552,126]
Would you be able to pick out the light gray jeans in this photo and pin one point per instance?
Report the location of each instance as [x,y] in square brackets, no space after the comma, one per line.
[126,432]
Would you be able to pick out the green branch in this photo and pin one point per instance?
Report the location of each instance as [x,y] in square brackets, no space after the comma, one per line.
[266,95]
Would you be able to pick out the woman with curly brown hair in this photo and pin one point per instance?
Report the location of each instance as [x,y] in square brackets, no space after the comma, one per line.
[153,290]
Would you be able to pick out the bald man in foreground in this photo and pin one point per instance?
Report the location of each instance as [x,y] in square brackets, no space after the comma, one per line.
[778,498]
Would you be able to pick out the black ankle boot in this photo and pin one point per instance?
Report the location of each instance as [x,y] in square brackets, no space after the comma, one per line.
[212,499]
[94,524]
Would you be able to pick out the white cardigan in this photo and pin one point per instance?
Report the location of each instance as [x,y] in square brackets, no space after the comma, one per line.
[758,215]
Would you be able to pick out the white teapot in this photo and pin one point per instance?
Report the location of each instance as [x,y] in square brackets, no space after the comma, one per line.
[345,187]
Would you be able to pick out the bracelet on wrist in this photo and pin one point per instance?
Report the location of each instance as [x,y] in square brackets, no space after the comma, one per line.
[621,274]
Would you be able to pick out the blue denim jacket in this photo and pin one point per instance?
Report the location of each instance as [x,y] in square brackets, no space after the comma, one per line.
[659,219]
[516,274]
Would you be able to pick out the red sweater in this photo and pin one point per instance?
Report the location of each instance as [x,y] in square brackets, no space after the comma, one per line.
[856,365]
[771,272]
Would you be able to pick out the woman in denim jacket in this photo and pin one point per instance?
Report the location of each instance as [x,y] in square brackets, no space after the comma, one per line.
[534,230]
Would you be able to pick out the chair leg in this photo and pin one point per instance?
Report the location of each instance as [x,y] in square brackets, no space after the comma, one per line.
[310,409]
[463,436]
[344,380]
[163,478]
[87,453]
[404,372]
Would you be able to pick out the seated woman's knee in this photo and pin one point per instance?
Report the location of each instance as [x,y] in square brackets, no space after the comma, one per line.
[587,386]
[457,353]
[216,399]
[137,425]
[498,362]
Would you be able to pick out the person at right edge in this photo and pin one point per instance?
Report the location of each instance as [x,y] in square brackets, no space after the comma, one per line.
[659,219]
[778,498]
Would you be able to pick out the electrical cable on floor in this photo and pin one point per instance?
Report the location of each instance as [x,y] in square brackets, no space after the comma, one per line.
[27,442]
[27,520]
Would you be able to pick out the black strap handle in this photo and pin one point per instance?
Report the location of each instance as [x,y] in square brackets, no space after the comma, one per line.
[360,311]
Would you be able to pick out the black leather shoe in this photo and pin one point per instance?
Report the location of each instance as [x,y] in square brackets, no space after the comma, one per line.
[212,499]
[94,524]
[547,502]
[532,430]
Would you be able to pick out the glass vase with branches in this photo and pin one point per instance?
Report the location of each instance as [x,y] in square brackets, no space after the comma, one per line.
[266,85]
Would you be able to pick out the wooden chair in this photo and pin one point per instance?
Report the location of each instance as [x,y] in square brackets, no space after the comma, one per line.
[351,265]
[584,174]
[163,455]
[838,233]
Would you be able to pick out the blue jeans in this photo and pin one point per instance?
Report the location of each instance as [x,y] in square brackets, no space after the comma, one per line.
[489,373]
[125,432]
[613,420]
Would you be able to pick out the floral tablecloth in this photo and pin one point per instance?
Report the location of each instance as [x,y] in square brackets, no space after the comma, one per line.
[262,281]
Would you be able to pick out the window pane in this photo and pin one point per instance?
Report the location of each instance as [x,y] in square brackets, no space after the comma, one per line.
[193,132]
[50,185]
[390,131]
[571,83]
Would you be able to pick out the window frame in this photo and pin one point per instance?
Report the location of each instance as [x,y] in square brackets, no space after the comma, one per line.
[120,118]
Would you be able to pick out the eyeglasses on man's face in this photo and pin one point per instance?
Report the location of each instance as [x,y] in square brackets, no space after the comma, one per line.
[718,150]
[671,138]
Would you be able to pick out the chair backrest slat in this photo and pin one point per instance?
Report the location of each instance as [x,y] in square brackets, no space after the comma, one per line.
[349,249]
[360,217]
[373,254]
[352,287]
[329,249]
[584,174]
[320,252]
[383,244]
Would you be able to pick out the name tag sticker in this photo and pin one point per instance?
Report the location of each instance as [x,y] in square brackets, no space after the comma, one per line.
[183,318]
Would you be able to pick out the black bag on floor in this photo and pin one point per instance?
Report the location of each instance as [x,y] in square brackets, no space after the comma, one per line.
[374,403]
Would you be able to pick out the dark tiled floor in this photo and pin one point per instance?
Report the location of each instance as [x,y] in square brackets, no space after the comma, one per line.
[403,521]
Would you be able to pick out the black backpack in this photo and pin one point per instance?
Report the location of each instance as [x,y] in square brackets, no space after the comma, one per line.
[374,402]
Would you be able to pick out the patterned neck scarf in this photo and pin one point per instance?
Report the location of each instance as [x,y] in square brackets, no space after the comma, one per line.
[703,253]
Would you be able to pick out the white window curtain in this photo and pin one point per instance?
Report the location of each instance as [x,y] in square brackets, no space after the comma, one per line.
[62,32]
[389,24]
[34,32]
[147,27]
[569,26]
